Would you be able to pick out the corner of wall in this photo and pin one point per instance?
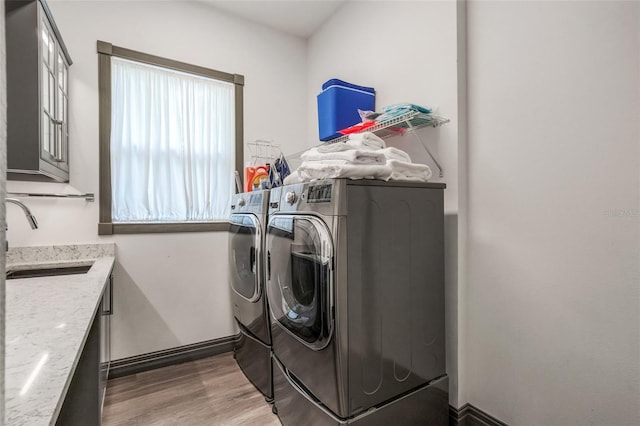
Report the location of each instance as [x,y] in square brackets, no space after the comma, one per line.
[463,205]
[3,180]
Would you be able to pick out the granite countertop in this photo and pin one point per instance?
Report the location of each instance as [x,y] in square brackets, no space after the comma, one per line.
[47,323]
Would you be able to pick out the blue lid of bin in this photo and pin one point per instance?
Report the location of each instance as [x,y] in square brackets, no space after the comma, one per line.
[337,82]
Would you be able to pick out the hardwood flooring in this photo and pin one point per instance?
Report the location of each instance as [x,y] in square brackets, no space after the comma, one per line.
[211,391]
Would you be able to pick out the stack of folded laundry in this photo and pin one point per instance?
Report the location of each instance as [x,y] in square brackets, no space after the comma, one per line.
[362,156]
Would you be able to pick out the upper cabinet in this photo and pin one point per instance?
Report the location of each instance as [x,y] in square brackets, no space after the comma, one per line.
[37,94]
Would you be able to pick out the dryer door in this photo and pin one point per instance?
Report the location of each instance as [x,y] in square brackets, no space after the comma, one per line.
[300,277]
[245,245]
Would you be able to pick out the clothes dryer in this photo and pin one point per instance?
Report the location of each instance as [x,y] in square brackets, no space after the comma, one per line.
[252,350]
[355,284]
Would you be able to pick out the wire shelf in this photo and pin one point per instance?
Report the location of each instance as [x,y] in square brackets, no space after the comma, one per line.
[412,120]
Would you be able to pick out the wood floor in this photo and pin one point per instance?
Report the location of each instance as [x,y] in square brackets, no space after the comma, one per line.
[210,391]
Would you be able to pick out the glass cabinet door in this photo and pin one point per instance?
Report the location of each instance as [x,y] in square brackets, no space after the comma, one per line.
[62,125]
[54,99]
[299,277]
[47,93]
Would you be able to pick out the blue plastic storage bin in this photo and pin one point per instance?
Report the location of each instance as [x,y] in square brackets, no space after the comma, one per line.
[338,105]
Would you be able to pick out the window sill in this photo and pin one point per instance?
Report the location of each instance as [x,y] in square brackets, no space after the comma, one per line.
[156,228]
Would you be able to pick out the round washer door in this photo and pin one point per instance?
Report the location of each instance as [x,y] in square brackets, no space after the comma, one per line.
[300,277]
[245,242]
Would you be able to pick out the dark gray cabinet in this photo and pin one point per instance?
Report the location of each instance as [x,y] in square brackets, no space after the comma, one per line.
[84,400]
[81,406]
[105,339]
[37,94]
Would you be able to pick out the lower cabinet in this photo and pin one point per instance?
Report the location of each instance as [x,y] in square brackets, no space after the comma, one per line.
[105,340]
[83,403]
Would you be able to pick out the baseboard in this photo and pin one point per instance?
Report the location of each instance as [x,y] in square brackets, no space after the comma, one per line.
[150,361]
[468,415]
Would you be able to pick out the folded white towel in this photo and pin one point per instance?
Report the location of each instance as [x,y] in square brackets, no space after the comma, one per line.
[393,170]
[345,146]
[355,156]
[392,153]
[315,170]
[363,156]
[403,171]
[336,147]
[368,139]
[294,177]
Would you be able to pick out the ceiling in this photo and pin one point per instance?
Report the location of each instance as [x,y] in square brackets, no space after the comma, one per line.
[298,17]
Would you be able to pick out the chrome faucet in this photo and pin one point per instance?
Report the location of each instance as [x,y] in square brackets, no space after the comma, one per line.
[30,217]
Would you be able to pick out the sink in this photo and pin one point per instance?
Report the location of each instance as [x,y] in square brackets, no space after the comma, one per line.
[47,272]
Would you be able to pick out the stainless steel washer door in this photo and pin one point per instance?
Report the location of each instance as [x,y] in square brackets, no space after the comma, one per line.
[245,242]
[300,277]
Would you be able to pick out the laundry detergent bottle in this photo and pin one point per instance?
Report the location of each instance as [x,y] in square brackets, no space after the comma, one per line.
[253,176]
[249,171]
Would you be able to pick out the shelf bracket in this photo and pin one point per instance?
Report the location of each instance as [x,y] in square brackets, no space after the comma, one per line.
[426,148]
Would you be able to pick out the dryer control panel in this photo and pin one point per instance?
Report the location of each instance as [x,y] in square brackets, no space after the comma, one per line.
[320,197]
[319,193]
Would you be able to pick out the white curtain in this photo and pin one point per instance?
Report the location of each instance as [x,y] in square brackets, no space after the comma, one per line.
[172,145]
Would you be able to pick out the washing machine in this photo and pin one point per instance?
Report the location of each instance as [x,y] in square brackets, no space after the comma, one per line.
[252,350]
[355,281]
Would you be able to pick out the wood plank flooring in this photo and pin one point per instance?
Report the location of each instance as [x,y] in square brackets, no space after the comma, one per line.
[211,391]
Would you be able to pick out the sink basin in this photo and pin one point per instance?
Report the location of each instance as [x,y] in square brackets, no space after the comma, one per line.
[47,272]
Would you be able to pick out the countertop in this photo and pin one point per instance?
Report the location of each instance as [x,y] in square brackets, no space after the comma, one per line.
[47,323]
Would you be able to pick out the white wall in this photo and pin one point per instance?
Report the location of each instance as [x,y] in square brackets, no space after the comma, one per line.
[407,51]
[553,295]
[170,289]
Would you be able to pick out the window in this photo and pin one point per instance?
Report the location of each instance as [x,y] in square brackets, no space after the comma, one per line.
[170,139]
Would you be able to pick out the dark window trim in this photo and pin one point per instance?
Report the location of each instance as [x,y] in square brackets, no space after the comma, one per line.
[105,52]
